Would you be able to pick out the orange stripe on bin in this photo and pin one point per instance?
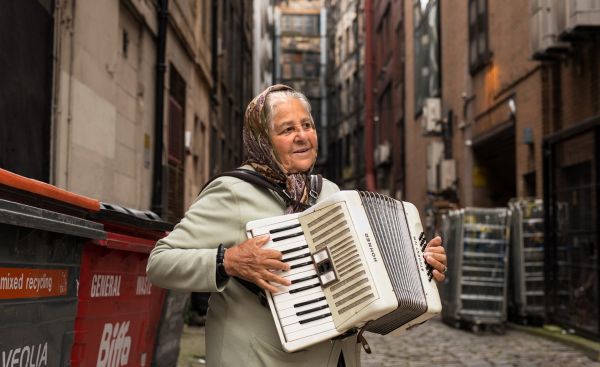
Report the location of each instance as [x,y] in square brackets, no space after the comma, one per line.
[41,188]
[32,283]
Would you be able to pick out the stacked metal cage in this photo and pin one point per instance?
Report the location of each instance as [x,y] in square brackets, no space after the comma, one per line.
[474,292]
[527,261]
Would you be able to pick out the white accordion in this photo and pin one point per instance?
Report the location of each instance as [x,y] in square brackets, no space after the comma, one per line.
[356,260]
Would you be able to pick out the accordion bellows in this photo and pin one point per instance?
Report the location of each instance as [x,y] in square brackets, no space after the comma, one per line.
[356,260]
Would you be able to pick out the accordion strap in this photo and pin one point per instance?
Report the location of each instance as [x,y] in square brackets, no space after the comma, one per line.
[316,183]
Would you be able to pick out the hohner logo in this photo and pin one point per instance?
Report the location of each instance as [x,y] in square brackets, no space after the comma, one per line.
[371,247]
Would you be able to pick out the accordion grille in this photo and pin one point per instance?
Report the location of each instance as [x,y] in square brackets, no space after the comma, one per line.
[333,231]
[392,234]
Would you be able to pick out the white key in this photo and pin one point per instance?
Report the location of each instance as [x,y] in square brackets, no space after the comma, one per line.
[290,321]
[308,295]
[312,331]
[294,310]
[289,328]
[294,296]
[302,269]
[305,283]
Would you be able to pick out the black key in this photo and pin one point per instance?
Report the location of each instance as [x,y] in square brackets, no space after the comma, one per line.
[303,279]
[315,318]
[295,257]
[311,310]
[277,230]
[422,236]
[291,235]
[300,265]
[294,249]
[304,288]
[309,302]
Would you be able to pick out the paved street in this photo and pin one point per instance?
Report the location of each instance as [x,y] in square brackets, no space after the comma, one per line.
[452,347]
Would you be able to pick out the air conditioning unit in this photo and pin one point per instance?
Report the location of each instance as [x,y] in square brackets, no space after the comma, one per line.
[582,15]
[545,30]
[188,141]
[383,153]
[447,174]
[431,121]
[435,151]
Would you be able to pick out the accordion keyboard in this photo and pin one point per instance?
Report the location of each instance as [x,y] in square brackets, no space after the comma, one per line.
[302,308]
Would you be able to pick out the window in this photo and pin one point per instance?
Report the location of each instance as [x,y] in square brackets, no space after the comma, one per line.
[479,54]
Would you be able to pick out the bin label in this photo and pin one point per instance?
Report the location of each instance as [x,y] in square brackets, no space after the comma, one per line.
[26,356]
[104,285]
[114,345]
[32,283]
[144,287]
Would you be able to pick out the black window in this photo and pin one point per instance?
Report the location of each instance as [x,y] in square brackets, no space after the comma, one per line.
[479,53]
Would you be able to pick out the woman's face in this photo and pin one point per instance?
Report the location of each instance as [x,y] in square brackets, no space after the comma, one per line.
[293,137]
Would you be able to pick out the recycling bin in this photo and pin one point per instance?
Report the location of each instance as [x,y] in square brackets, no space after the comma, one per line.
[119,310]
[40,256]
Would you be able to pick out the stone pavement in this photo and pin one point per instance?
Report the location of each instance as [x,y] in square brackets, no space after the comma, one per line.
[436,344]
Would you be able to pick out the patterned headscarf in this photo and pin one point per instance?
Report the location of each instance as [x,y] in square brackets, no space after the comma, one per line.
[262,157]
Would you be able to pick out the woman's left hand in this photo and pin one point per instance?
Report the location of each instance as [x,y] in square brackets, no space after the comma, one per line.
[435,255]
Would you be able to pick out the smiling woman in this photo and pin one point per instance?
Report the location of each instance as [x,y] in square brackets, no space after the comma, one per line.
[293,136]
[208,251]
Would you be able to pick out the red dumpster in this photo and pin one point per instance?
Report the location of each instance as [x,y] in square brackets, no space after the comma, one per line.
[118,310]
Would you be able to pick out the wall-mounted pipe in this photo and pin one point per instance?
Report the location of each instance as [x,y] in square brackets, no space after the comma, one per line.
[159,106]
[369,102]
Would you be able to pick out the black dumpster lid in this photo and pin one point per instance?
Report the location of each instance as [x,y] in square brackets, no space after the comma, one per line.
[22,215]
[144,219]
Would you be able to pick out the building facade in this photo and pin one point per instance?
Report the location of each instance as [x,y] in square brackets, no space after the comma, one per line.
[263,30]
[345,90]
[299,53]
[232,81]
[133,102]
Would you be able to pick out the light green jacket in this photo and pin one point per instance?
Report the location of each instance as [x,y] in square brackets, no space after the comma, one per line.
[239,330]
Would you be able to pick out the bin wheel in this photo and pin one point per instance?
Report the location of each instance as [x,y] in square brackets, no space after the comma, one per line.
[475,328]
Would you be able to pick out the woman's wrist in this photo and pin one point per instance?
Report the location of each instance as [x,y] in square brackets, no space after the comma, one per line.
[221,272]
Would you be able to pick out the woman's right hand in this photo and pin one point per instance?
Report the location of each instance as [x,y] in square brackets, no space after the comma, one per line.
[251,262]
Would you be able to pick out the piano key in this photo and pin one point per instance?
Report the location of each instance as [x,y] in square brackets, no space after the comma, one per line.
[327,326]
[298,287]
[294,249]
[302,269]
[287,245]
[283,297]
[296,326]
[303,287]
[317,307]
[297,265]
[282,303]
[296,257]
[308,277]
[282,229]
[296,279]
[290,311]
[314,318]
[299,321]
[298,305]
[287,236]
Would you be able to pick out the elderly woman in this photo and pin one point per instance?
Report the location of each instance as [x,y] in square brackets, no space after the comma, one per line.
[208,250]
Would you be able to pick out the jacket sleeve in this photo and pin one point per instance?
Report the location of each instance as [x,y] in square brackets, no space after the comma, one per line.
[185,260]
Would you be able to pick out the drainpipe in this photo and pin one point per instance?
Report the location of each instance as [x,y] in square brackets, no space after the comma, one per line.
[159,107]
[369,115]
